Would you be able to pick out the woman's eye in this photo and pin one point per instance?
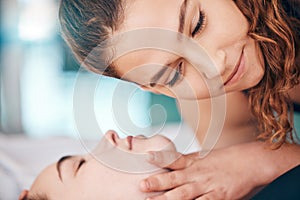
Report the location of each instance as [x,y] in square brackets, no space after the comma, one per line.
[200,23]
[177,75]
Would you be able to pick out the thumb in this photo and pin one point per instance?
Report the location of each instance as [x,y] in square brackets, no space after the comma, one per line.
[23,194]
[171,159]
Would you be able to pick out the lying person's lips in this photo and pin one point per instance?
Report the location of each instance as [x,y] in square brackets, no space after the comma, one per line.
[141,137]
[237,72]
[129,141]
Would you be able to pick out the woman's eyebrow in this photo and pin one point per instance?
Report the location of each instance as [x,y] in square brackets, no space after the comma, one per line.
[182,16]
[59,163]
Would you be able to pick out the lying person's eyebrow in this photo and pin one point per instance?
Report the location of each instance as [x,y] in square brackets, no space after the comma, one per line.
[59,163]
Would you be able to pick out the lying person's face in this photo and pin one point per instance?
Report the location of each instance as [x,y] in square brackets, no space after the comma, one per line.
[85,177]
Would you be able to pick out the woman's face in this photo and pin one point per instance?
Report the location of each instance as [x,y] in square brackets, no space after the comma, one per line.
[218,27]
[85,177]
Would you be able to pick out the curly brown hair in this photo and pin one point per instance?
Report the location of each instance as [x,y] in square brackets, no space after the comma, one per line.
[273,24]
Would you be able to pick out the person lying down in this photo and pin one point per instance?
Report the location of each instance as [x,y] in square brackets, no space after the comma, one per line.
[112,171]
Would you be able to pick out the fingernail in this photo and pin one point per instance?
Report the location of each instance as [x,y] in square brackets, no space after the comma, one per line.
[145,186]
[150,157]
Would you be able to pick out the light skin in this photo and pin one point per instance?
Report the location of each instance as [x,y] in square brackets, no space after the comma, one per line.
[227,47]
[85,177]
[238,59]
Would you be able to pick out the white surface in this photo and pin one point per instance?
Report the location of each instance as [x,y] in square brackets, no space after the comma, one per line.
[22,158]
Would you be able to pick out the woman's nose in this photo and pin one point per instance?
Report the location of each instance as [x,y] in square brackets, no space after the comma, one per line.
[208,61]
[218,59]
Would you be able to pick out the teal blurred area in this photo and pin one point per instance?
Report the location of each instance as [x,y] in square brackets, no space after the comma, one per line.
[38,75]
[169,104]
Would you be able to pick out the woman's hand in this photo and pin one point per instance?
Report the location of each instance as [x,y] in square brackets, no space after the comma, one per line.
[229,173]
[217,176]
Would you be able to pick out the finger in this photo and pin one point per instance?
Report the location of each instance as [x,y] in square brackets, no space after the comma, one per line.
[23,194]
[164,181]
[209,196]
[184,192]
[171,159]
[163,159]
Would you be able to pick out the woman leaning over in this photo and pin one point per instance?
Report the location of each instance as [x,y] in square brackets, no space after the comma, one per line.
[263,34]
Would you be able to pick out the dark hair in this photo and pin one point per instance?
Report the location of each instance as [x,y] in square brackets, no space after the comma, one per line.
[274,24]
[85,24]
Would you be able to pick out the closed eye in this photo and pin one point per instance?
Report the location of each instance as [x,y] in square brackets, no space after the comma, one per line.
[200,23]
[81,162]
[177,75]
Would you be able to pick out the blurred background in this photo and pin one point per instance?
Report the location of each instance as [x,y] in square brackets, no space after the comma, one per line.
[38,74]
[37,83]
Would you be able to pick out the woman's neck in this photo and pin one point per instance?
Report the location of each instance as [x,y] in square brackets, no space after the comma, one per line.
[239,125]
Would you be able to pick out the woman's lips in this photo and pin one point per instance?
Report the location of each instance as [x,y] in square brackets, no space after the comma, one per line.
[237,72]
